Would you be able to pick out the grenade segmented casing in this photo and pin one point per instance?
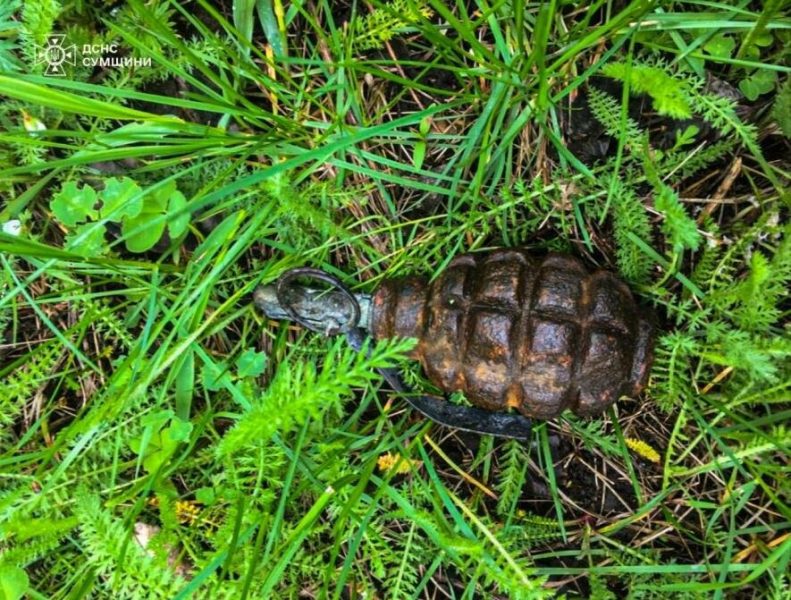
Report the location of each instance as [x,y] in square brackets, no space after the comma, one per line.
[510,330]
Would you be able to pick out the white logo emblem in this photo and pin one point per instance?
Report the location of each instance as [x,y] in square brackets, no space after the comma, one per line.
[55,55]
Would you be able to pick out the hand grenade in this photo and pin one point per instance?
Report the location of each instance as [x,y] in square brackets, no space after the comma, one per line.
[510,331]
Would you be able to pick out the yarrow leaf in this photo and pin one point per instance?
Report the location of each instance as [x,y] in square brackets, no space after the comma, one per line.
[669,95]
[300,391]
[678,225]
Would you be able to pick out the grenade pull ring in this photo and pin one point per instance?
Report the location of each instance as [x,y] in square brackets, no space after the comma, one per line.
[319,311]
[337,311]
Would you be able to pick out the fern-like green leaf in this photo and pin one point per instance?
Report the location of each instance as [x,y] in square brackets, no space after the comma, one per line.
[125,570]
[669,95]
[670,375]
[607,110]
[512,476]
[678,225]
[299,391]
[38,22]
[630,219]
[380,25]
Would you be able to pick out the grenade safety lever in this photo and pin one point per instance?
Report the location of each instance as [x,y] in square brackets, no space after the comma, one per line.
[337,311]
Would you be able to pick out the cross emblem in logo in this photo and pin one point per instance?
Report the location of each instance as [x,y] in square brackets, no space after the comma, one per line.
[55,55]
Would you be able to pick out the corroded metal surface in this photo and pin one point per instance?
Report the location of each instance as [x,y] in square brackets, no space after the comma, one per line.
[327,310]
[509,330]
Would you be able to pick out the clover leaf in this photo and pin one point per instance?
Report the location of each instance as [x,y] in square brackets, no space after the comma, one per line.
[250,363]
[145,229]
[215,375]
[720,45]
[73,205]
[143,216]
[757,84]
[180,220]
[87,240]
[205,495]
[157,445]
[121,198]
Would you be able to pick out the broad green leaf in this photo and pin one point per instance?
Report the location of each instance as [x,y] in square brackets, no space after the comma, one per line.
[720,45]
[752,53]
[73,205]
[157,200]
[251,363]
[14,582]
[214,376]
[419,155]
[158,419]
[143,231]
[425,127]
[764,39]
[121,198]
[181,217]
[179,430]
[87,240]
[696,63]
[205,496]
[157,445]
[149,441]
[759,83]
[269,23]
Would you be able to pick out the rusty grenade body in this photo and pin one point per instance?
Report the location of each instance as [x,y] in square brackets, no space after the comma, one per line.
[512,331]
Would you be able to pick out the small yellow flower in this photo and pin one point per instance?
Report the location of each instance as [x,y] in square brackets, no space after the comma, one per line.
[643,449]
[187,511]
[389,461]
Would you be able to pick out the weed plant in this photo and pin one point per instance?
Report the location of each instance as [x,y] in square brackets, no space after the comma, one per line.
[159,438]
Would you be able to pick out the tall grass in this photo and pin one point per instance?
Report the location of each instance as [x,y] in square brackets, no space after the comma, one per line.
[160,438]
